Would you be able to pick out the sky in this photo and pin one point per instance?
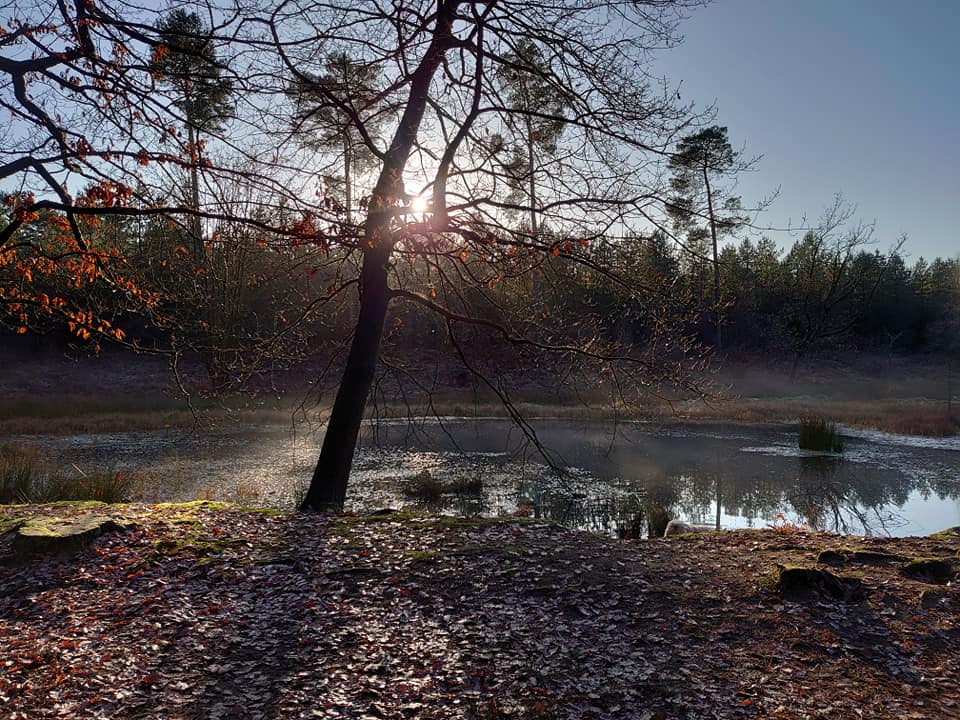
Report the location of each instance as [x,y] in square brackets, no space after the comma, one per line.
[859,97]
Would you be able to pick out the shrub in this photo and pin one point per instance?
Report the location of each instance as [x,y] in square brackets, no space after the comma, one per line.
[818,434]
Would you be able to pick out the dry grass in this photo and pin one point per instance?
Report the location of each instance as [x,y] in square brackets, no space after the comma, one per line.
[902,417]
[24,478]
[78,418]
[899,395]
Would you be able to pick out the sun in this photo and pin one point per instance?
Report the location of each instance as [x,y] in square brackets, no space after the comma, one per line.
[419,204]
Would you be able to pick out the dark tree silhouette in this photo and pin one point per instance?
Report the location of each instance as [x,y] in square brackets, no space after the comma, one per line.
[700,161]
[185,60]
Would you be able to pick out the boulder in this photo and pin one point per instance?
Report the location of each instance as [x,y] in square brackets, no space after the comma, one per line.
[46,535]
[797,583]
[679,527]
[937,571]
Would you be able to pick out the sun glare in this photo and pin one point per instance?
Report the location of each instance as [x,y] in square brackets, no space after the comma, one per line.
[419,204]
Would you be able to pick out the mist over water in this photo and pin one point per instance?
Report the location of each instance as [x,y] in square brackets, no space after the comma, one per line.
[609,475]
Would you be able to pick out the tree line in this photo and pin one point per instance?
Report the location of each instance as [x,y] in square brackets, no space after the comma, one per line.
[830,290]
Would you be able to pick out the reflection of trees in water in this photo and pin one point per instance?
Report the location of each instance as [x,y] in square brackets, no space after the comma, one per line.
[684,471]
[827,493]
[845,497]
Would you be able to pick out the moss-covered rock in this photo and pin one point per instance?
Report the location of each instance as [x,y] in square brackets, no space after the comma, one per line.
[861,557]
[831,557]
[48,535]
[798,583]
[931,570]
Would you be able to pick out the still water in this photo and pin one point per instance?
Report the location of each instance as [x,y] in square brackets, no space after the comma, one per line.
[602,476]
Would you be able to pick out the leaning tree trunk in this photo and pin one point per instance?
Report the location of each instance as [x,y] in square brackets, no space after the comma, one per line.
[328,488]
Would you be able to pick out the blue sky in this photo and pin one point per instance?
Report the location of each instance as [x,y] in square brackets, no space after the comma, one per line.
[859,97]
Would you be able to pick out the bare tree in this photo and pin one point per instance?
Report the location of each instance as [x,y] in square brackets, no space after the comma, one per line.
[434,233]
[830,280]
[444,61]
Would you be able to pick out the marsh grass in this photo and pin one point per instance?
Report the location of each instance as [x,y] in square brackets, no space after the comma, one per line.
[818,434]
[472,485]
[430,490]
[657,520]
[424,487]
[108,487]
[25,479]
[18,473]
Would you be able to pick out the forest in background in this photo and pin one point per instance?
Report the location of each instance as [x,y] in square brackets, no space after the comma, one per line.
[255,310]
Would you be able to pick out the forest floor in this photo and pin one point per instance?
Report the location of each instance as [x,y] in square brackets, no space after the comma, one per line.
[214,612]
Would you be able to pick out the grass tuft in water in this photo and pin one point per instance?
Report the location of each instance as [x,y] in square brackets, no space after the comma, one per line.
[819,434]
[657,520]
[424,487]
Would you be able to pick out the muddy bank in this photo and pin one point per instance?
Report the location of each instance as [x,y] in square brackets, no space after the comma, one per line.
[210,611]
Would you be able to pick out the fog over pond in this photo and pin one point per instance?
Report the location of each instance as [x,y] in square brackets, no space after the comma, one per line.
[882,484]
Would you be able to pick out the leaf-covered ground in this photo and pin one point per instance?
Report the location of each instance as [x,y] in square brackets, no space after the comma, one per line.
[203,611]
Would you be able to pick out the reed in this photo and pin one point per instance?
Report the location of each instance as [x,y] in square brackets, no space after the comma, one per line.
[818,434]
[25,479]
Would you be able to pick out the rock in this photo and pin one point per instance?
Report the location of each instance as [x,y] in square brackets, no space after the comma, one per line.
[863,557]
[831,557]
[872,557]
[60,535]
[931,570]
[952,533]
[809,584]
[678,527]
[930,599]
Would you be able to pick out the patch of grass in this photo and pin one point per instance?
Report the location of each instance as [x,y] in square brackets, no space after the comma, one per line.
[465,486]
[107,487]
[24,479]
[424,487]
[18,473]
[818,434]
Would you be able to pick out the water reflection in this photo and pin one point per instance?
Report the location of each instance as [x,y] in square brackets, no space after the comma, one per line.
[714,476]
[612,476]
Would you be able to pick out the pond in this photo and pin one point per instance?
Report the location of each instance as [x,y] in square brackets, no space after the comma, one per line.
[731,476]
